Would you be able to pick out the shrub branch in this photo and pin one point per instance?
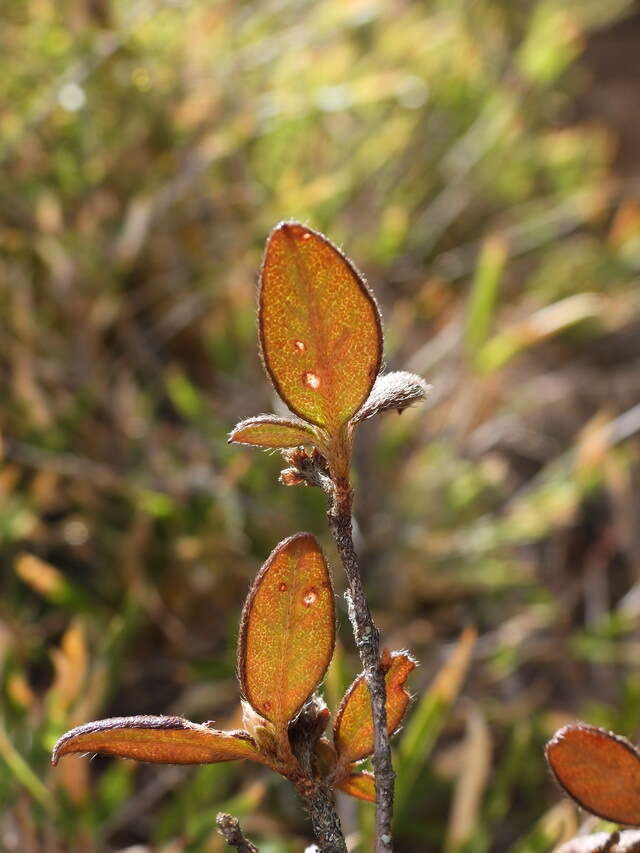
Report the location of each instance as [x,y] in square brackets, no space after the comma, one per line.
[367,640]
[229,828]
[313,470]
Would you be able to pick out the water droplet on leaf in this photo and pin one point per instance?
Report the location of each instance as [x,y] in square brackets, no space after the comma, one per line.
[299,345]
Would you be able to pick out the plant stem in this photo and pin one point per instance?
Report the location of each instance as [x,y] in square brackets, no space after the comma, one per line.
[229,828]
[368,643]
[325,821]
[304,734]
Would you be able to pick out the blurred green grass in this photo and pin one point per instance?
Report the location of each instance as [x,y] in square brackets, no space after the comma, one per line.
[459,154]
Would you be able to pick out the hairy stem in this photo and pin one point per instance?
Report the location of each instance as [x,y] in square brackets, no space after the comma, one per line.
[368,643]
[229,828]
[304,734]
[325,821]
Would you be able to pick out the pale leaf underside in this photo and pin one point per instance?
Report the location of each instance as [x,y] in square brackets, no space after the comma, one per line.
[599,842]
[158,740]
[273,432]
[396,390]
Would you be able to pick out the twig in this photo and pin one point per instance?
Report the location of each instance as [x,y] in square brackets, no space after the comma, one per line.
[315,472]
[318,796]
[325,822]
[229,829]
[368,643]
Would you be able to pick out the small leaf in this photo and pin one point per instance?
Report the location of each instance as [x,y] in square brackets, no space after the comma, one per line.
[271,431]
[599,770]
[159,740]
[320,330]
[353,730]
[360,785]
[287,631]
[392,391]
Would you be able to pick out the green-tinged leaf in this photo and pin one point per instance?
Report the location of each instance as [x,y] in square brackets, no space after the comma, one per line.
[396,390]
[599,770]
[159,740]
[24,774]
[49,582]
[287,632]
[537,327]
[271,431]
[430,715]
[353,730]
[360,785]
[559,824]
[484,292]
[320,330]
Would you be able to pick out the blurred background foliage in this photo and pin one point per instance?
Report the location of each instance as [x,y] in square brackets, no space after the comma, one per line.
[478,159]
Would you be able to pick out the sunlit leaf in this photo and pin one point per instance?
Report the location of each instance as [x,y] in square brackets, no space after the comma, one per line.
[599,770]
[287,630]
[320,329]
[159,740]
[391,391]
[353,730]
[271,431]
[360,785]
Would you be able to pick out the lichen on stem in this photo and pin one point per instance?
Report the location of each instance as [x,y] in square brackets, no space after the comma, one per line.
[367,640]
[324,820]
[314,470]
[229,829]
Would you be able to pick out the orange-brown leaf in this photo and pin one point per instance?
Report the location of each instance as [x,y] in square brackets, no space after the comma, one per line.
[320,330]
[271,431]
[159,740]
[599,770]
[287,632]
[353,730]
[360,785]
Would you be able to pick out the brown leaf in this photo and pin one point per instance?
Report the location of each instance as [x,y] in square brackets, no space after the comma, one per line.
[159,740]
[353,729]
[271,431]
[599,770]
[396,390]
[287,631]
[360,785]
[320,330]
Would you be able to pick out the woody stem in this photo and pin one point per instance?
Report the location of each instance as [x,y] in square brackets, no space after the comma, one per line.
[327,830]
[368,643]
[229,828]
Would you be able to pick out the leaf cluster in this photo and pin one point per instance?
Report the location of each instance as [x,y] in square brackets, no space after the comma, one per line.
[287,637]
